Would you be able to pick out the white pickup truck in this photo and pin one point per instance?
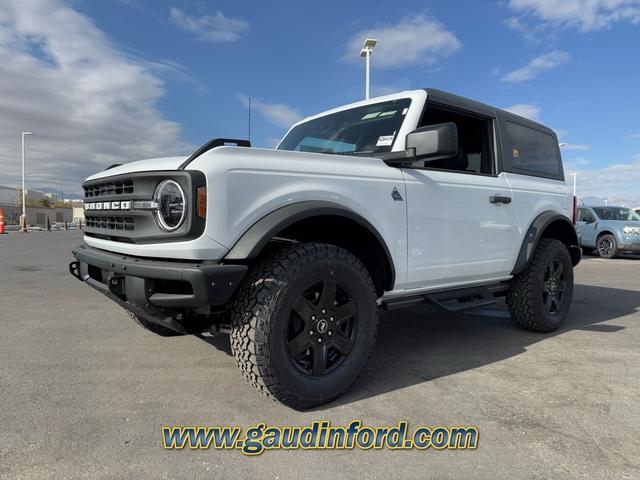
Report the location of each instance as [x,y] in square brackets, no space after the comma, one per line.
[420,196]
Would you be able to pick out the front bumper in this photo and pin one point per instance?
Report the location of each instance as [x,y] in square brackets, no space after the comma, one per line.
[631,244]
[157,290]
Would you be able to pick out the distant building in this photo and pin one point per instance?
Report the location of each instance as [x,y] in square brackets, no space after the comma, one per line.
[11,203]
[9,195]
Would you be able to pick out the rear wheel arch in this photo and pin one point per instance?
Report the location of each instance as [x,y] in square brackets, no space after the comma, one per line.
[325,222]
[548,225]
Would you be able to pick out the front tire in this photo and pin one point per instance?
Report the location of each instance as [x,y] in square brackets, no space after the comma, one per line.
[540,297]
[607,246]
[304,323]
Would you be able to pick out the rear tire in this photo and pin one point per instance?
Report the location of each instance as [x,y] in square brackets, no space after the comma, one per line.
[154,327]
[304,323]
[540,297]
[607,246]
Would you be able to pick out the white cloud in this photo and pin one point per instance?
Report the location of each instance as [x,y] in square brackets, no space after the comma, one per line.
[212,28]
[527,110]
[538,65]
[617,183]
[585,15]
[89,104]
[575,164]
[576,146]
[634,136]
[278,114]
[414,40]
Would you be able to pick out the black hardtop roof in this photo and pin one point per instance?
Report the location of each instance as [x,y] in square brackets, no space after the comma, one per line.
[463,103]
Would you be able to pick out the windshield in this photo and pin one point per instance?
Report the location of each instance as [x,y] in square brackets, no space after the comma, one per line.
[362,130]
[616,213]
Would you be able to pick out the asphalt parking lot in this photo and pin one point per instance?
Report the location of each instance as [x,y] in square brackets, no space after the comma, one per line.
[84,391]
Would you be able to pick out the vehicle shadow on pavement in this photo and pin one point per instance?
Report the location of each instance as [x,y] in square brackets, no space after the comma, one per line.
[421,344]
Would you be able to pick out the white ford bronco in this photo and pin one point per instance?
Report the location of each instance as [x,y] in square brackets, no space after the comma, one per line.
[420,196]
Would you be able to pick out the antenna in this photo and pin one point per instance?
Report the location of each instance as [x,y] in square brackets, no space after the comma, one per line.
[249,119]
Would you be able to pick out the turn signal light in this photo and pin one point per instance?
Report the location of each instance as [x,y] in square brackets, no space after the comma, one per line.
[201,202]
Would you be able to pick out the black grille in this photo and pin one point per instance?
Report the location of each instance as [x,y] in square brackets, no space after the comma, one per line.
[110,222]
[118,187]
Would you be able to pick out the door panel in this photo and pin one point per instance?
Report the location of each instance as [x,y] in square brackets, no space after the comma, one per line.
[587,229]
[455,234]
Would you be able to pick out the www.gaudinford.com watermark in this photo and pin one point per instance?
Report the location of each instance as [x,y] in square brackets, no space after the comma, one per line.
[320,435]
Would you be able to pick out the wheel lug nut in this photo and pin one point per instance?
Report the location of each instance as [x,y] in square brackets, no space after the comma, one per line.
[319,340]
[310,332]
[331,319]
[329,333]
[324,311]
[313,317]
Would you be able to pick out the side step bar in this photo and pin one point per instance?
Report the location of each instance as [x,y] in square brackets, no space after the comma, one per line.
[451,300]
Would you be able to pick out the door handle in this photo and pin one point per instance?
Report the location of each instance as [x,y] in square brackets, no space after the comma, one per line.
[499,199]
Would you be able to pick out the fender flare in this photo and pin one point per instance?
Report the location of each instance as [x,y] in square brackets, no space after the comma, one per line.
[534,234]
[262,232]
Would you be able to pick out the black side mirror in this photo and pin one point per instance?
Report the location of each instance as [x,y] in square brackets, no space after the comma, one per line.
[433,142]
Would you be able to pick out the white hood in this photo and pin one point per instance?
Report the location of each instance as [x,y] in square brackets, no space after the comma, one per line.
[151,164]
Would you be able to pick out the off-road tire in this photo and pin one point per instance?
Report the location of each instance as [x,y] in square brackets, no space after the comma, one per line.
[262,311]
[611,251]
[525,298]
[153,327]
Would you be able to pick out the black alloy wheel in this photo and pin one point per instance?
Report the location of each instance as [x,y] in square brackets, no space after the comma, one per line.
[554,286]
[322,328]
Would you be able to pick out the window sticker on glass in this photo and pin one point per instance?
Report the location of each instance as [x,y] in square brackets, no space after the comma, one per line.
[404,112]
[385,140]
[369,116]
[390,112]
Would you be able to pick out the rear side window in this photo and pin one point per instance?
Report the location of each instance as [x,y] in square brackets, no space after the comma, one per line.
[531,151]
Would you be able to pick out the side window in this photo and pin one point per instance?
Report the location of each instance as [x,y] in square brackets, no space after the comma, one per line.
[531,151]
[474,142]
[584,215]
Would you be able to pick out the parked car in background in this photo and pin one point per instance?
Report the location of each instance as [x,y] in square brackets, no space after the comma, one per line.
[609,230]
[637,210]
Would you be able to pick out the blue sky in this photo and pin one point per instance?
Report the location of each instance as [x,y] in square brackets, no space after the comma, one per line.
[105,81]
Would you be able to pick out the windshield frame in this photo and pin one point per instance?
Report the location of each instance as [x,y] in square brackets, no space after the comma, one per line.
[418,99]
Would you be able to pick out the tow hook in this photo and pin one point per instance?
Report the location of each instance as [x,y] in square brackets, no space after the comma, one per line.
[116,285]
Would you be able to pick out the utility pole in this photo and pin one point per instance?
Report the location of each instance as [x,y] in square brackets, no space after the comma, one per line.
[23,217]
[249,119]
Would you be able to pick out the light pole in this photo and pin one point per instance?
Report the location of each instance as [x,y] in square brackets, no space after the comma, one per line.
[574,174]
[23,217]
[366,52]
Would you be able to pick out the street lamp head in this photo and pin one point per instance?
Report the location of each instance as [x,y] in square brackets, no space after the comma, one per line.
[370,43]
[27,133]
[563,144]
[363,52]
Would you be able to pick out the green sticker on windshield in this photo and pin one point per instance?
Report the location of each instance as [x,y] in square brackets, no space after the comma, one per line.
[369,116]
[389,113]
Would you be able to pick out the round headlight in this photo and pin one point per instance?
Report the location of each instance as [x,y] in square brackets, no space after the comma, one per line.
[171,205]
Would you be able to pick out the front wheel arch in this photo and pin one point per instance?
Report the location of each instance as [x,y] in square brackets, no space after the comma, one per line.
[324,222]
